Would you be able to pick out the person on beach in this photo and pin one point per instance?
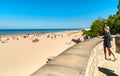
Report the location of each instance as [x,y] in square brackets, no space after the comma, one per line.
[107,43]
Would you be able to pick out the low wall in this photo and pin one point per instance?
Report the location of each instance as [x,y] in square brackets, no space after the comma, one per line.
[97,55]
[79,60]
[117,42]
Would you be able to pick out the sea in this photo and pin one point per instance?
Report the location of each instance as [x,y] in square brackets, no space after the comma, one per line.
[23,31]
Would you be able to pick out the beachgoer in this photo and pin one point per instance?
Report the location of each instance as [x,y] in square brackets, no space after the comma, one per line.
[0,38]
[35,40]
[107,43]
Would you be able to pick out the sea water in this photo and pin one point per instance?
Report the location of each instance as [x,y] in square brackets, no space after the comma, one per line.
[22,31]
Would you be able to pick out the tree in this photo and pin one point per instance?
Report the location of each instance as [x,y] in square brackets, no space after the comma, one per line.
[117,27]
[118,6]
[96,28]
[110,22]
[113,22]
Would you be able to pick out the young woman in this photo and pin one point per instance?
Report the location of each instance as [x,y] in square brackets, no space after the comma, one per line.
[107,43]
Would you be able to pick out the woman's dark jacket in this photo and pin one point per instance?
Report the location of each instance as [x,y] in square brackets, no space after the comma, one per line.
[107,39]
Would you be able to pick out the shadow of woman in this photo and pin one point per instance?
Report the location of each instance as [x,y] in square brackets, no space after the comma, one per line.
[108,72]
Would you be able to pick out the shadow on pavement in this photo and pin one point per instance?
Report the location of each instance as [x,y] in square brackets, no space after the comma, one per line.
[107,72]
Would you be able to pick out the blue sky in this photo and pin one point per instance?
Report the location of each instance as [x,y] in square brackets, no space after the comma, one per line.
[37,14]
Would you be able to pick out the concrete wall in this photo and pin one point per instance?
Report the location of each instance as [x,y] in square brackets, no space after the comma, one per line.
[79,60]
[97,55]
[117,41]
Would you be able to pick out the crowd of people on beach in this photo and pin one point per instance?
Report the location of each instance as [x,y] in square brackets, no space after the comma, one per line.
[25,36]
[35,37]
[54,36]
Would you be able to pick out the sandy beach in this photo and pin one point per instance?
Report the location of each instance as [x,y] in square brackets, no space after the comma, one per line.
[21,55]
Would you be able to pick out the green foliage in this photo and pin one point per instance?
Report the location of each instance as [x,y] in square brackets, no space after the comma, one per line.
[97,26]
[117,26]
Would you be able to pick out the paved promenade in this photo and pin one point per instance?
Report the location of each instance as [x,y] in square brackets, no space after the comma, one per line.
[72,62]
[108,68]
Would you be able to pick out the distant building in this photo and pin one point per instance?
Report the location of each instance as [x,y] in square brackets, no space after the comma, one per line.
[86,29]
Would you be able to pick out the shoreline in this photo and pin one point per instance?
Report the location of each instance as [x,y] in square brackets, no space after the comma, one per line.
[19,34]
[34,31]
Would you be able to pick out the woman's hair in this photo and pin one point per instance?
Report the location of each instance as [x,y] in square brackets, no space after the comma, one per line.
[107,28]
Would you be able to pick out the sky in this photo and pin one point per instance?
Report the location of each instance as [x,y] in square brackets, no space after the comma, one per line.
[50,14]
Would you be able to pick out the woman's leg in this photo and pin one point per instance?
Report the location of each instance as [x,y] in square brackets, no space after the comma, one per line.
[110,52]
[105,52]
